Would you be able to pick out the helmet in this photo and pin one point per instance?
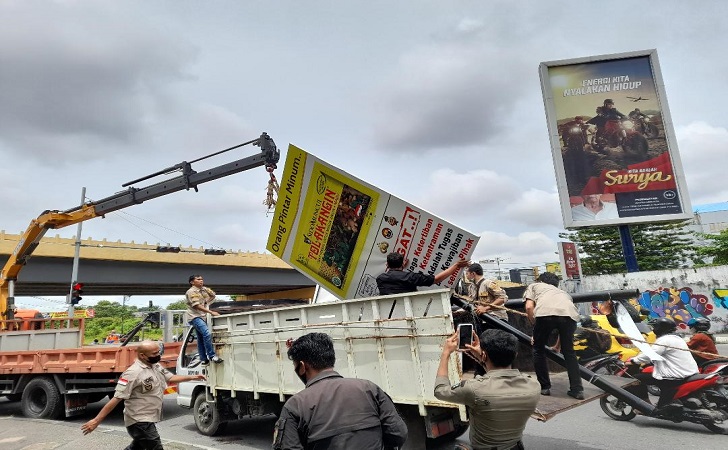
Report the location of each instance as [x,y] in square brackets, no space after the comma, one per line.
[662,326]
[608,101]
[637,110]
[579,118]
[699,324]
[587,322]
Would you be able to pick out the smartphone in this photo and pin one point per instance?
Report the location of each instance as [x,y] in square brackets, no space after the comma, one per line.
[465,331]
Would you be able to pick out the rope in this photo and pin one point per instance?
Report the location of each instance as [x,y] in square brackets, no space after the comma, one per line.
[271,192]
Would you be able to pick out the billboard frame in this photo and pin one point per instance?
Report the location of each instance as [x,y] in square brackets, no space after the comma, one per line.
[556,150]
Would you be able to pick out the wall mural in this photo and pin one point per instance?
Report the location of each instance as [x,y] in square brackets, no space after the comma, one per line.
[683,304]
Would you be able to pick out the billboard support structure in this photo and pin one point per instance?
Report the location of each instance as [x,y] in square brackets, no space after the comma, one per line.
[630,259]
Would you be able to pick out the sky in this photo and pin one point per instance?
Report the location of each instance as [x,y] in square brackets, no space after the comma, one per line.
[438,103]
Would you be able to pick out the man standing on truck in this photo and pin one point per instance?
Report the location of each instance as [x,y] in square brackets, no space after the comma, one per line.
[199,298]
[334,412]
[141,387]
[550,308]
[500,402]
[397,280]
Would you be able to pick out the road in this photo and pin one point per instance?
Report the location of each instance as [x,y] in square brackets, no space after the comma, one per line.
[584,427]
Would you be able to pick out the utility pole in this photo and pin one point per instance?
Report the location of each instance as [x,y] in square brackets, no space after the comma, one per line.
[497,260]
[74,270]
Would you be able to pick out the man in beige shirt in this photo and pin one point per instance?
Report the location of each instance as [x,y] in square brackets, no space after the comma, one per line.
[141,387]
[499,402]
[199,298]
[549,308]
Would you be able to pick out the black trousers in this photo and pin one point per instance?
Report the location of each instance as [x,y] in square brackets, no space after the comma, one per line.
[145,437]
[668,388]
[541,331]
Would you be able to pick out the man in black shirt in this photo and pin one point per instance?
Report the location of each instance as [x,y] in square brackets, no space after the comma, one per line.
[396,280]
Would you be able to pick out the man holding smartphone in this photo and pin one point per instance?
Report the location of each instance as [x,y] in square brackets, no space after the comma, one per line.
[500,402]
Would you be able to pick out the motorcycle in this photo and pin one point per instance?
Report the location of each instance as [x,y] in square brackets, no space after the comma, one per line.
[622,133]
[701,399]
[647,128]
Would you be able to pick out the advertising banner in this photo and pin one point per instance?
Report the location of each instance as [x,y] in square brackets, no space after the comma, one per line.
[338,230]
[612,141]
[570,264]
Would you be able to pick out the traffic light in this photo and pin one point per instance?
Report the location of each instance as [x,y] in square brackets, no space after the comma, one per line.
[76,293]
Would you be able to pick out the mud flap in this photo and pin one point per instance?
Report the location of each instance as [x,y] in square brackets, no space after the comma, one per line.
[75,404]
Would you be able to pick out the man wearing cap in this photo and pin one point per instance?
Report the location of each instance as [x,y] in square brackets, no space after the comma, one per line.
[592,206]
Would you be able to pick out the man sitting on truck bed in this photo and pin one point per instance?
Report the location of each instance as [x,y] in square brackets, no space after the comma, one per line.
[333,412]
[397,280]
[500,402]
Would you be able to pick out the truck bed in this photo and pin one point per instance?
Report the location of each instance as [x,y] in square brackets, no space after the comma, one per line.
[94,359]
[394,341]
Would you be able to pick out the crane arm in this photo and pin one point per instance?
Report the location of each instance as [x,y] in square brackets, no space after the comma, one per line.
[268,156]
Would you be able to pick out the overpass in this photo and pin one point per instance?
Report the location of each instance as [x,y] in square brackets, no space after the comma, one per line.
[118,268]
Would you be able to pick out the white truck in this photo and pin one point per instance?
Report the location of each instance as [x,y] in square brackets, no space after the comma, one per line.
[394,341]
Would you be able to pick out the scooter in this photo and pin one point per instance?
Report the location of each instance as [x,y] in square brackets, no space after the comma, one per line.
[702,399]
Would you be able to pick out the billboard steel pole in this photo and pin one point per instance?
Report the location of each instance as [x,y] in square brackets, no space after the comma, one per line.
[628,249]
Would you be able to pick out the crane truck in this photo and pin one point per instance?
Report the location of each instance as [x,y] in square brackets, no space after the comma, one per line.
[46,366]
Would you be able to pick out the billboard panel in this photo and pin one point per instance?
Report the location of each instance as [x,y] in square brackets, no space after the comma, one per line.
[570,263]
[612,141]
[337,230]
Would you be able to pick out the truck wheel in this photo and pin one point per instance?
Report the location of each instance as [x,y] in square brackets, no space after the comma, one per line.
[42,400]
[207,417]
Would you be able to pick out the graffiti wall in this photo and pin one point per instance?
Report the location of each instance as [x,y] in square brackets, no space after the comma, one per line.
[680,294]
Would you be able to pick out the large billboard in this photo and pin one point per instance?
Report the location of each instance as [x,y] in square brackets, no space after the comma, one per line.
[612,141]
[337,230]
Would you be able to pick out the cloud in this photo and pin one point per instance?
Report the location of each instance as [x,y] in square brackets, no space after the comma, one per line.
[702,146]
[455,91]
[523,249]
[535,208]
[90,82]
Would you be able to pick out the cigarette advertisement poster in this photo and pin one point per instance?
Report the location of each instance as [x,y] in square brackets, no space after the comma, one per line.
[338,230]
[570,264]
[612,141]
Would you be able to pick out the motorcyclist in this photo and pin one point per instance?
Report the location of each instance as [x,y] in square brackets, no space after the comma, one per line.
[636,114]
[590,340]
[702,341]
[566,128]
[605,113]
[670,372]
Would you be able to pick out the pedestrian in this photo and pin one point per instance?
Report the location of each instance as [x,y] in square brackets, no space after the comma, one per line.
[334,412]
[499,402]
[199,298]
[397,280]
[550,308]
[141,387]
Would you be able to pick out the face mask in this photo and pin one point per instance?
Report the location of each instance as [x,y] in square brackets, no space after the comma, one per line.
[154,359]
[300,377]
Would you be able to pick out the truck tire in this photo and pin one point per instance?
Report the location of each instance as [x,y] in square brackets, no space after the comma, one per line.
[42,400]
[207,416]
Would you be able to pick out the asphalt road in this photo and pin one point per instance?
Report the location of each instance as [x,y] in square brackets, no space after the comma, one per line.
[583,427]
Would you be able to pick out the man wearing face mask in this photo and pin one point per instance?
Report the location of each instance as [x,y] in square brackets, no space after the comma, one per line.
[141,386]
[334,412]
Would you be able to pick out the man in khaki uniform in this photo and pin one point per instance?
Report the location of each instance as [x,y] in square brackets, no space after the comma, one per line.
[486,292]
[199,298]
[141,386]
[499,402]
[549,308]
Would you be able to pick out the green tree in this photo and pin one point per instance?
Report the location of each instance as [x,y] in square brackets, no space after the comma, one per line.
[181,304]
[105,308]
[657,246]
[716,247]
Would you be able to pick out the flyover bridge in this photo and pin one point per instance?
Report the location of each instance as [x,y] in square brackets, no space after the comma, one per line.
[118,268]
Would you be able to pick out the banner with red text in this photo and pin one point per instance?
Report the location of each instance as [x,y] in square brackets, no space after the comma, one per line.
[612,141]
[338,230]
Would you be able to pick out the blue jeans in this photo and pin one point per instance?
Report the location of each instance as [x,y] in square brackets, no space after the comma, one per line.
[204,339]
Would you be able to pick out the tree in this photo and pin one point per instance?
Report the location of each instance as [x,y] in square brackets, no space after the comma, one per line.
[657,246]
[181,304]
[716,247]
